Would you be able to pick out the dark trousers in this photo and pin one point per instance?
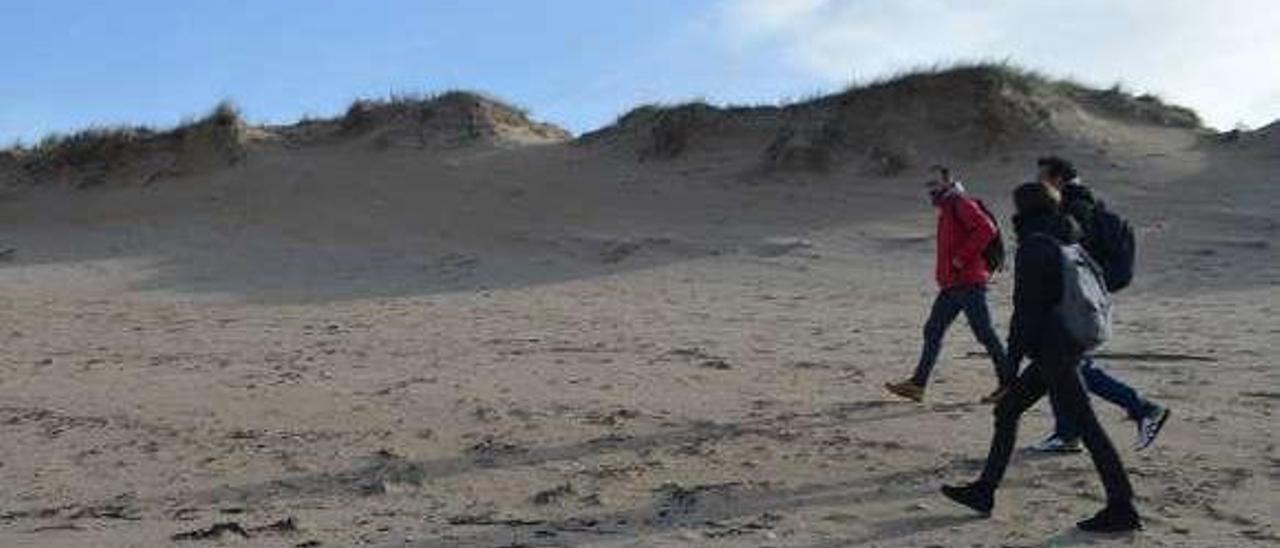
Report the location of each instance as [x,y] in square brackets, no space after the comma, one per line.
[949,304]
[1058,375]
[1107,387]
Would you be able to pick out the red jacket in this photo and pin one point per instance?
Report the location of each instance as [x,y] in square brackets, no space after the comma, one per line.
[963,232]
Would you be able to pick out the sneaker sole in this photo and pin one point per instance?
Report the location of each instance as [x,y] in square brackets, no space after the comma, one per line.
[1159,428]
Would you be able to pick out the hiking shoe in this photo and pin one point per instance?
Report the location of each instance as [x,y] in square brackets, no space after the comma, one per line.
[1055,445]
[995,396]
[906,389]
[975,496]
[1115,518]
[1149,427]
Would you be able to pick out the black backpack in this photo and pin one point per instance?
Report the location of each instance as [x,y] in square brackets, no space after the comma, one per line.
[1108,237]
[1114,246]
[994,254]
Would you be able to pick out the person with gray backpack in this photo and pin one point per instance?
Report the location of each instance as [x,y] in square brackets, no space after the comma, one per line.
[1109,239]
[1061,309]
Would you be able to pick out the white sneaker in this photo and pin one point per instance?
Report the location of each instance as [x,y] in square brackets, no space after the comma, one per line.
[1055,445]
[1149,427]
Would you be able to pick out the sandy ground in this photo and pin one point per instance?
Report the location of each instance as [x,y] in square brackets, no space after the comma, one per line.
[547,346]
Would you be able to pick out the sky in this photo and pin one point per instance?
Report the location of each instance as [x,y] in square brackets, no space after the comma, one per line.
[70,64]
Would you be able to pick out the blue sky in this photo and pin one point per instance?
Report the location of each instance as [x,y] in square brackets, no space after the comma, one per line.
[68,64]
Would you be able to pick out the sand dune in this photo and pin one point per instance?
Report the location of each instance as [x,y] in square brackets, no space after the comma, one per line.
[438,322]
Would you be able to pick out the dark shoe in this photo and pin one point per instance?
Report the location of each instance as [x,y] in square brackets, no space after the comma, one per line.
[906,389]
[994,397]
[975,496]
[1149,427]
[1115,518]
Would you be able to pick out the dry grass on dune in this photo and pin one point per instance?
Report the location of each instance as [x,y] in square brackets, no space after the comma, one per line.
[99,155]
[449,118]
[1116,100]
[136,154]
[965,110]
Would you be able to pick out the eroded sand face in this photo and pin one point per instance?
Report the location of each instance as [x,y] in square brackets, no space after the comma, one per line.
[541,346]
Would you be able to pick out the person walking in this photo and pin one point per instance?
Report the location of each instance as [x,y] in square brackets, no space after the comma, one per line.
[965,230]
[1039,331]
[1114,251]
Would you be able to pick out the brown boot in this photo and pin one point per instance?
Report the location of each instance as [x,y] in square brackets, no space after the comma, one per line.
[995,396]
[906,389]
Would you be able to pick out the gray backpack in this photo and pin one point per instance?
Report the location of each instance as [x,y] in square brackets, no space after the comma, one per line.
[1085,309]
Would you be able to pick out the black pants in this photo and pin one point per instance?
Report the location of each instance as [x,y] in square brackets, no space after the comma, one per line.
[1057,374]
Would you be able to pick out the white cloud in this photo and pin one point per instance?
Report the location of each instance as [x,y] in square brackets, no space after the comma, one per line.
[1221,58]
[765,16]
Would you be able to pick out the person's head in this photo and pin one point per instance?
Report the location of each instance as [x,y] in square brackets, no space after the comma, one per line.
[1037,198]
[1056,171]
[941,182]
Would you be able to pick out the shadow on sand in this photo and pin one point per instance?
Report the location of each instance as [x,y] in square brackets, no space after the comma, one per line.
[369,475]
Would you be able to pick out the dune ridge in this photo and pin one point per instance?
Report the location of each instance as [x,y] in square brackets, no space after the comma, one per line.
[962,113]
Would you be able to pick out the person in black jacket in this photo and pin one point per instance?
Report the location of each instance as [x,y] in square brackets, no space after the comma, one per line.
[1081,205]
[1036,331]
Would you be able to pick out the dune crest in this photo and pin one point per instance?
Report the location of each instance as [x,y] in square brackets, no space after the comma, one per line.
[967,113]
[140,155]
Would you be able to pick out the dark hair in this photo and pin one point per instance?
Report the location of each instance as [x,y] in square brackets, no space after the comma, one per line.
[1034,198]
[943,170]
[1059,167]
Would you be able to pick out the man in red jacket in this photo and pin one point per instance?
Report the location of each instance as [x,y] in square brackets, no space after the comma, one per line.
[964,231]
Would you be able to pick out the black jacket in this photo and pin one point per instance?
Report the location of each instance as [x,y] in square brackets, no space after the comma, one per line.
[1080,203]
[1037,285]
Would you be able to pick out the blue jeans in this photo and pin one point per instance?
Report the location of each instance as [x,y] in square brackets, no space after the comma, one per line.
[1107,387]
[949,304]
